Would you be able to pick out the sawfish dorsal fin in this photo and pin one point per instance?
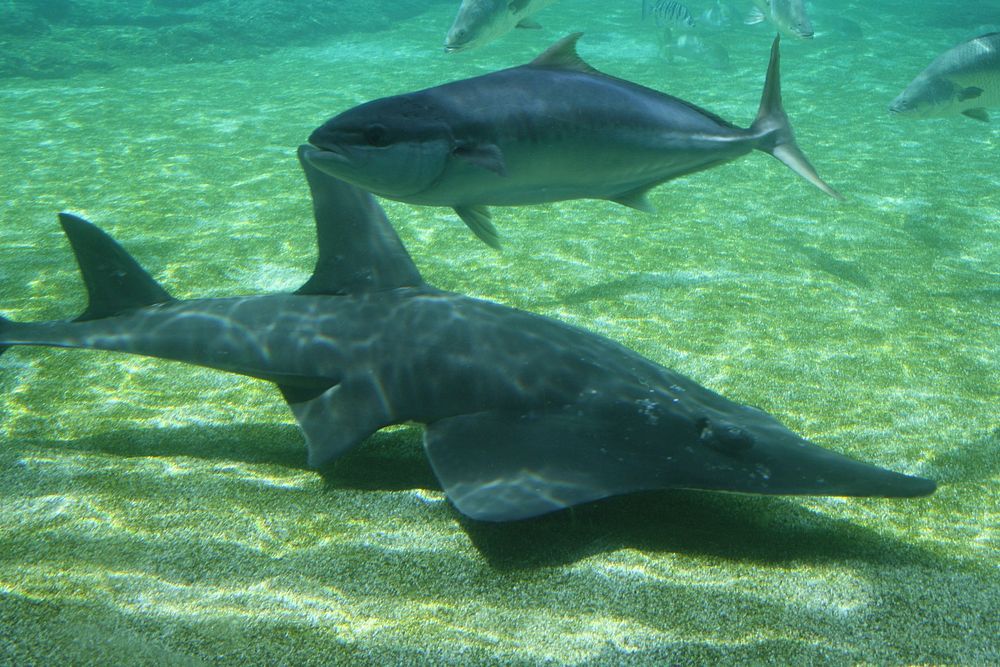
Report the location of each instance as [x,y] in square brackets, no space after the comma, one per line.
[115,282]
[359,251]
[563,55]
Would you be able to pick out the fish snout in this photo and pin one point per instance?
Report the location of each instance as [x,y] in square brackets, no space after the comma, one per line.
[457,40]
[900,105]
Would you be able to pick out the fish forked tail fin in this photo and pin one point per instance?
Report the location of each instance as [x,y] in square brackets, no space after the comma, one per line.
[774,131]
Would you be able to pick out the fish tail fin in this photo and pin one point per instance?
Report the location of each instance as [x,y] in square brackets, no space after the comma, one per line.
[5,326]
[774,131]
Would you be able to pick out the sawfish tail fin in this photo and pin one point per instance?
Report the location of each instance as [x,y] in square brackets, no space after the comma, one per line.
[774,131]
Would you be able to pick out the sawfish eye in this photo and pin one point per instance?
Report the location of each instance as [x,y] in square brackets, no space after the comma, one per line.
[376,135]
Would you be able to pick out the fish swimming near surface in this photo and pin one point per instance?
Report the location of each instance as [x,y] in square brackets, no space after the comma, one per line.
[551,130]
[481,21]
[523,414]
[963,80]
[788,16]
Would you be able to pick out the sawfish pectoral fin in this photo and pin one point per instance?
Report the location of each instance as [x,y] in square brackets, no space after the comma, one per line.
[504,466]
[333,420]
[480,221]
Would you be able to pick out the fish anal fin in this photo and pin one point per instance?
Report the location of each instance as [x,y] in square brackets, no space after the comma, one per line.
[977,114]
[504,466]
[479,220]
[115,282]
[970,93]
[636,199]
[563,55]
[334,419]
[487,156]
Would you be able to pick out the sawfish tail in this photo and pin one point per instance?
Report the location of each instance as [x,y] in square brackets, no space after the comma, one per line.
[774,131]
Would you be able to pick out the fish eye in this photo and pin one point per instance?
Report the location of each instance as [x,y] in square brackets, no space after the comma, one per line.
[376,135]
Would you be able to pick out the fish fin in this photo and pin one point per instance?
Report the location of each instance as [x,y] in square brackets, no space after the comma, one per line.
[563,55]
[977,114]
[479,220]
[754,17]
[504,466]
[774,131]
[5,325]
[636,199]
[529,24]
[358,249]
[487,156]
[333,418]
[970,93]
[115,282]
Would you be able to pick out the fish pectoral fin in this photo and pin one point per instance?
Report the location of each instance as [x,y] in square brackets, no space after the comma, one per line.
[754,17]
[487,156]
[636,199]
[529,24]
[504,466]
[479,220]
[333,419]
[970,93]
[978,114]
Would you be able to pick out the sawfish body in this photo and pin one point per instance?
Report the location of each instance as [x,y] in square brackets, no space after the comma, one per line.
[523,414]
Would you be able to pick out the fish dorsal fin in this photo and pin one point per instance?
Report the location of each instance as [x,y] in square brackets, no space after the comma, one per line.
[359,251]
[563,55]
[115,282]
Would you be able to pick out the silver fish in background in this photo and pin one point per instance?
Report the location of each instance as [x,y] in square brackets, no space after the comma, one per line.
[668,13]
[551,130]
[482,21]
[679,36]
[788,16]
[719,15]
[962,80]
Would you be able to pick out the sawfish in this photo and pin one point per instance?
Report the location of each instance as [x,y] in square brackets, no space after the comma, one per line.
[523,414]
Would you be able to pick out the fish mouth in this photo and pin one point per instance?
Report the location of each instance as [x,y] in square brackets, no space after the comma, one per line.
[454,48]
[322,156]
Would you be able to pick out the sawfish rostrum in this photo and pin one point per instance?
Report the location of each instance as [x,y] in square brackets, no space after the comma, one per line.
[550,130]
[524,414]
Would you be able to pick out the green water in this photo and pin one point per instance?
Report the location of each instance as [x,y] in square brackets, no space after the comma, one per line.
[152,512]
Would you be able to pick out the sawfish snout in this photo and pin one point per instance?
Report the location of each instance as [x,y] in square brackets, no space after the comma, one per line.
[760,455]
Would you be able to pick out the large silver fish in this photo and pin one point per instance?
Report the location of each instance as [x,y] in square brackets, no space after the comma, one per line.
[551,130]
[962,80]
[788,16]
[482,21]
